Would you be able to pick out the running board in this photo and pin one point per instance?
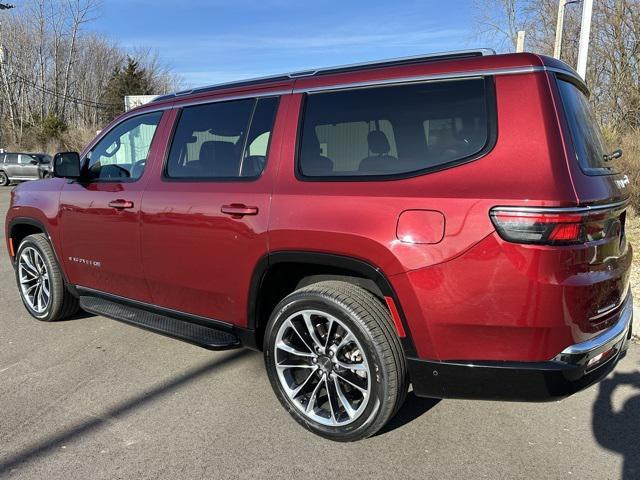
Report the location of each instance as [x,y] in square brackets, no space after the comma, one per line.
[208,337]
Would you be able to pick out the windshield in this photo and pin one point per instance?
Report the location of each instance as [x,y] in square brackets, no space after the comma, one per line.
[585,133]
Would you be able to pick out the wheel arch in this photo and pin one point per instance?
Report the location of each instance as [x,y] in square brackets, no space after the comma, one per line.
[21,227]
[277,274]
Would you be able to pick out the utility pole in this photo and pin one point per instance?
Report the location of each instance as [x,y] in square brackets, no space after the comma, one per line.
[585,30]
[520,41]
[557,48]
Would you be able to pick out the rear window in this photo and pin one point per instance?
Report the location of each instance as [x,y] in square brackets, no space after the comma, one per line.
[585,133]
[395,131]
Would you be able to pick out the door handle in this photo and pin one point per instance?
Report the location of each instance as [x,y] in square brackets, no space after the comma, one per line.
[238,210]
[121,204]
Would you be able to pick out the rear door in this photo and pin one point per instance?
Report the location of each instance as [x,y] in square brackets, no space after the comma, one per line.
[206,211]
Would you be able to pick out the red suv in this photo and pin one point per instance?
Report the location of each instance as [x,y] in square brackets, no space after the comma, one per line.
[449,221]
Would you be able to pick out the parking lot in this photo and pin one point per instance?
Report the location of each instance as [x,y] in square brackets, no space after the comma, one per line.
[94,398]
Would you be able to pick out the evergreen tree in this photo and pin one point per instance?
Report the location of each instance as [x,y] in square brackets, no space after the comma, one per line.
[130,80]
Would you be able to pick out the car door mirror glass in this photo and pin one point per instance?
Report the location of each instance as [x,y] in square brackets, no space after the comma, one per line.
[66,165]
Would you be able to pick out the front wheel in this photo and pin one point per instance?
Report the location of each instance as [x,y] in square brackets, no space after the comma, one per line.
[40,281]
[334,360]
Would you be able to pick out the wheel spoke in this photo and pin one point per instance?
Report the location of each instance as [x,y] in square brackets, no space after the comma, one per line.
[355,367]
[311,329]
[27,281]
[332,400]
[300,336]
[296,392]
[27,261]
[312,399]
[343,399]
[36,298]
[345,377]
[27,265]
[329,332]
[39,263]
[289,349]
[345,340]
[41,298]
[284,366]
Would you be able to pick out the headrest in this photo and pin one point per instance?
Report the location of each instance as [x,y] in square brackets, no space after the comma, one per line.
[378,142]
[213,150]
[219,158]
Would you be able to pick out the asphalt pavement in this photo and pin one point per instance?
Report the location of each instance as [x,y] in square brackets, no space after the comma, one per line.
[92,398]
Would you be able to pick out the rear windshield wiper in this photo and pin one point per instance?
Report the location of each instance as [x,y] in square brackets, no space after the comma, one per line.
[607,157]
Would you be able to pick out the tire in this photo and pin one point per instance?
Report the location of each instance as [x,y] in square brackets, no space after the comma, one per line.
[339,386]
[4,179]
[36,265]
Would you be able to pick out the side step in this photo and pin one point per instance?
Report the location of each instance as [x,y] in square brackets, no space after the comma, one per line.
[204,336]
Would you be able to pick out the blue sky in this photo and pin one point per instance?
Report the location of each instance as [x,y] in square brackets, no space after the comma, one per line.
[216,41]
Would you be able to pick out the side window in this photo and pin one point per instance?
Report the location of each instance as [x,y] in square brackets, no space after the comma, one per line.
[121,155]
[24,159]
[222,140]
[394,130]
[11,158]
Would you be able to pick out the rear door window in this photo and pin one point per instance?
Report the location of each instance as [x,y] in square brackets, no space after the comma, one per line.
[585,132]
[222,140]
[395,131]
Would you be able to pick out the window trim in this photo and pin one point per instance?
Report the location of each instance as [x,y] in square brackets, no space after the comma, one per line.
[85,181]
[256,98]
[492,135]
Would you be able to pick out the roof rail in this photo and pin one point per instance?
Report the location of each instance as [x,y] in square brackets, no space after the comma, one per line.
[430,57]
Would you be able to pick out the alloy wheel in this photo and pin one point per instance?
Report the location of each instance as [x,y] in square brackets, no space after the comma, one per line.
[34,280]
[322,368]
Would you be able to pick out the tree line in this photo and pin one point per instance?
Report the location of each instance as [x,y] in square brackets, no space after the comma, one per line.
[60,82]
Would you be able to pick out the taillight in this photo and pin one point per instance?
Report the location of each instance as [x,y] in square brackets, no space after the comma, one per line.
[551,226]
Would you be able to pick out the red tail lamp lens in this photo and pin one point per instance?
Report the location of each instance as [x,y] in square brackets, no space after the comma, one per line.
[553,227]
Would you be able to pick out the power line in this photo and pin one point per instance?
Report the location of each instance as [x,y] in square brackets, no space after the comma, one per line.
[76,100]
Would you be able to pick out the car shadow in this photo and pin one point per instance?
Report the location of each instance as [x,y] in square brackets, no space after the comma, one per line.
[79,315]
[412,408]
[54,442]
[617,430]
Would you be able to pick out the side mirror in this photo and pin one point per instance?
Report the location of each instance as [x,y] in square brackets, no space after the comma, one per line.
[66,165]
[33,162]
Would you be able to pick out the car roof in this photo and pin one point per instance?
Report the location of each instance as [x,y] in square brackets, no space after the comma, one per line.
[474,61]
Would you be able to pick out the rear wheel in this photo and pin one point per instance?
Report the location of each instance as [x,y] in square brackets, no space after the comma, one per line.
[40,281]
[4,179]
[335,361]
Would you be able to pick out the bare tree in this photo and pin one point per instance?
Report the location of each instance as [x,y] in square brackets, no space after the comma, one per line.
[55,71]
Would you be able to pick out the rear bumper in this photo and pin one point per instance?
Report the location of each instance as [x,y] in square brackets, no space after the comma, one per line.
[574,369]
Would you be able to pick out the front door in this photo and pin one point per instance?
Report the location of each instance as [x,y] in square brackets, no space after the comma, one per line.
[205,213]
[99,215]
